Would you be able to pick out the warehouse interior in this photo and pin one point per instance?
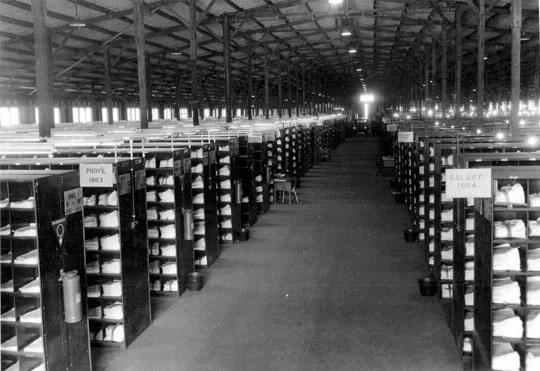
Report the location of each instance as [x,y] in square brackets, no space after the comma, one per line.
[270,185]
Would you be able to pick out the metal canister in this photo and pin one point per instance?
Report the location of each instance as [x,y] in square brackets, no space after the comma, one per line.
[238,191]
[188,225]
[71,287]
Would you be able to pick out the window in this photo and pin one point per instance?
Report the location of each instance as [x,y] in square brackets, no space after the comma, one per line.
[9,116]
[115,113]
[57,115]
[82,114]
[133,114]
[168,113]
[183,113]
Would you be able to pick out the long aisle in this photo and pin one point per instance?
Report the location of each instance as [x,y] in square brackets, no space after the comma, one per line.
[327,284]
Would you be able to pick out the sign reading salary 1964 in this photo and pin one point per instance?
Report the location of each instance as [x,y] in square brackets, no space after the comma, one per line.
[464,183]
[405,137]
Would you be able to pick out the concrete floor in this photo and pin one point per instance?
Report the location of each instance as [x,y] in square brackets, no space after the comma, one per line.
[327,284]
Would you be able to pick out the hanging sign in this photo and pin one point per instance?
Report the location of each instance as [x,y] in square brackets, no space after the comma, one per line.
[177,168]
[59,227]
[464,183]
[391,128]
[96,175]
[255,139]
[405,137]
[73,201]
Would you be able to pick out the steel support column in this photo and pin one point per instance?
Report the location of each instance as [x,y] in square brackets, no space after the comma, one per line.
[249,80]
[138,18]
[444,71]
[516,65]
[459,59]
[195,96]
[43,65]
[108,85]
[481,45]
[279,87]
[266,85]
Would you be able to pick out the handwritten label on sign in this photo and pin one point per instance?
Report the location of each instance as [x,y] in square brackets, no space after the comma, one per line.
[124,185]
[140,180]
[463,183]
[177,169]
[96,175]
[405,137]
[187,165]
[73,201]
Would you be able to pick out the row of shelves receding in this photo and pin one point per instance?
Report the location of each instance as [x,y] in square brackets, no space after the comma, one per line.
[482,252]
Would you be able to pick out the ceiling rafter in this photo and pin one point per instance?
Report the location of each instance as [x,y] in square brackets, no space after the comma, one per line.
[306,32]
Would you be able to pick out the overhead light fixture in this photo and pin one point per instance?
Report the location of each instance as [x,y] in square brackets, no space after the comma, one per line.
[358,70]
[175,53]
[335,2]
[346,31]
[77,23]
[352,50]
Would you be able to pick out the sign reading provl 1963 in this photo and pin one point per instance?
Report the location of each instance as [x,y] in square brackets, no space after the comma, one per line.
[96,175]
[464,183]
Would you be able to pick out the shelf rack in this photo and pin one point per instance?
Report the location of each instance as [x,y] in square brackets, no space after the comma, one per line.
[121,227]
[203,168]
[52,203]
[487,211]
[229,190]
